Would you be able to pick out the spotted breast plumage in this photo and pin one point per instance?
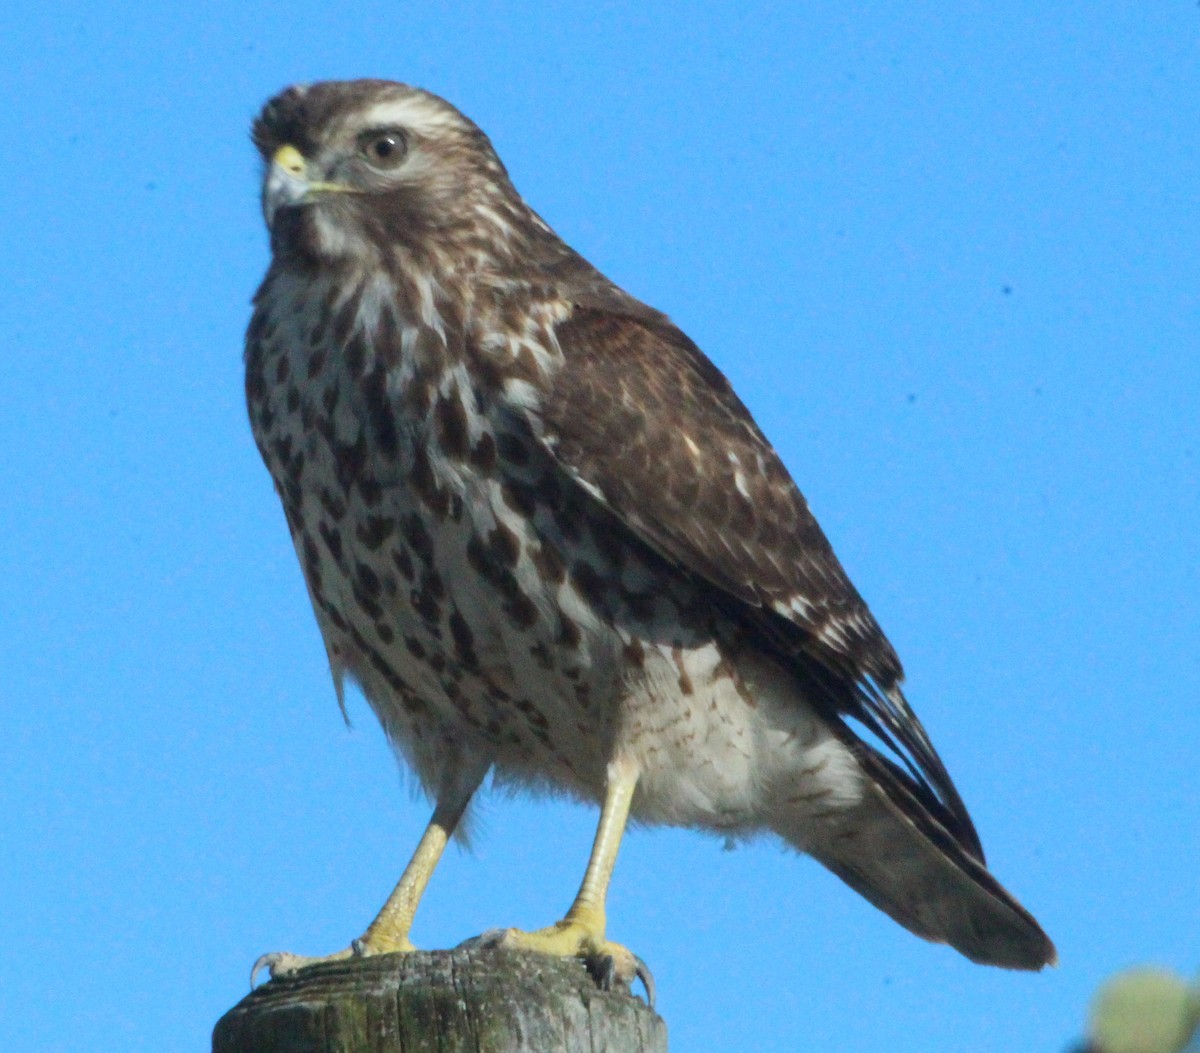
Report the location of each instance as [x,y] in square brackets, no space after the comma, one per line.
[549,542]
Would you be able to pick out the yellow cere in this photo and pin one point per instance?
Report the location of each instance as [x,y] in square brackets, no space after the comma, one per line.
[290,160]
[293,163]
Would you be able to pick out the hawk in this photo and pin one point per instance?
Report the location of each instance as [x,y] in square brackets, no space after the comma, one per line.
[548,541]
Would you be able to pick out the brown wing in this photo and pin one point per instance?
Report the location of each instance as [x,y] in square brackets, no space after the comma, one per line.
[641,417]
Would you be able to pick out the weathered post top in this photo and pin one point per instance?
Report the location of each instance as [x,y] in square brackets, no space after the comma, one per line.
[437,1002]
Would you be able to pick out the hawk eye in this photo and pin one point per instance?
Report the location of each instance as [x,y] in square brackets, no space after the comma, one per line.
[383,149]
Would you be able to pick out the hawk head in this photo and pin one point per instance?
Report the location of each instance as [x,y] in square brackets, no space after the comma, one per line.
[358,168]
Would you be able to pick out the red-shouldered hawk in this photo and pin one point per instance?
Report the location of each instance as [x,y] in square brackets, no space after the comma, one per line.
[546,538]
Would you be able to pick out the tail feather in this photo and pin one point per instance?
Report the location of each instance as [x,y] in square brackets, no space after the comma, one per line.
[892,851]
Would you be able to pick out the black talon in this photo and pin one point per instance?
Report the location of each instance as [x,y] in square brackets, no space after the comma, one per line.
[264,961]
[604,970]
[647,978]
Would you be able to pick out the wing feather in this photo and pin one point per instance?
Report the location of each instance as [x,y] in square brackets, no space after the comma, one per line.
[641,418]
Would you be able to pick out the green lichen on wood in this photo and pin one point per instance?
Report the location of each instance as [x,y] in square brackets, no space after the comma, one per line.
[440,1002]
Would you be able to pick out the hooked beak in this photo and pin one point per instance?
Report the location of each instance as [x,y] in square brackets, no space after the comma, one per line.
[288,183]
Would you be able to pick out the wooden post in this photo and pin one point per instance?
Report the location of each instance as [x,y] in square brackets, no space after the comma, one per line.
[476,1001]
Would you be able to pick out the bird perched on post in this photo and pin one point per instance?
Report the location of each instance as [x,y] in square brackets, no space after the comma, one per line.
[546,538]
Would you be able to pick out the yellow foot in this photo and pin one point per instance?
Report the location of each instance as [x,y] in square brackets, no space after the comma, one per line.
[283,963]
[610,963]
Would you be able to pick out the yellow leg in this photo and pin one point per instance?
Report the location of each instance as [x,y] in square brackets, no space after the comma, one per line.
[389,931]
[581,933]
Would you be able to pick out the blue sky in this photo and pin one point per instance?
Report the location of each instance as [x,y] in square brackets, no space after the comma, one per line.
[947,255]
